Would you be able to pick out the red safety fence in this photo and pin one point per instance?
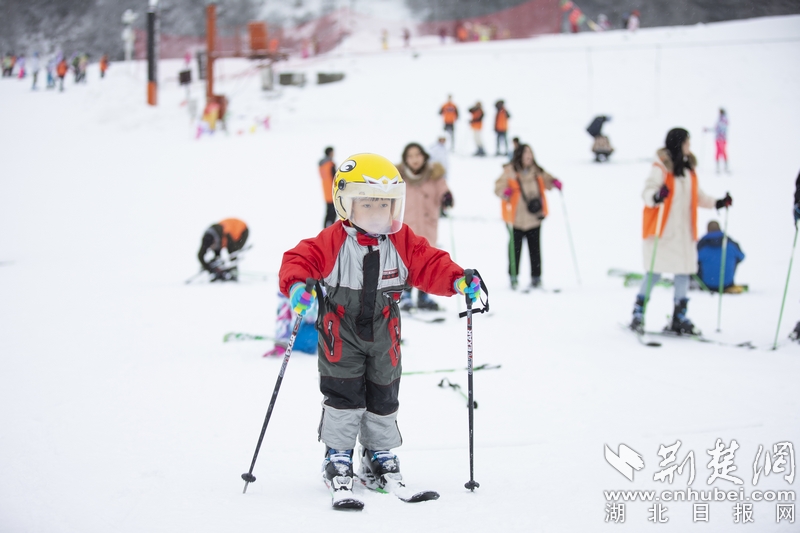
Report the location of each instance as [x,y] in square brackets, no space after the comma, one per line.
[535,17]
[320,35]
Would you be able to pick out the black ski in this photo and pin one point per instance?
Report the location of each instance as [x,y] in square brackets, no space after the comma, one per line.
[420,316]
[540,289]
[641,338]
[396,487]
[342,498]
[699,338]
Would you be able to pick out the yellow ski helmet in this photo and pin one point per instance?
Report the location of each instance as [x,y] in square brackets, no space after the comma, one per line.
[365,177]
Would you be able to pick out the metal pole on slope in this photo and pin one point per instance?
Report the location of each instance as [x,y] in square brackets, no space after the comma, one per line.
[512,257]
[569,235]
[786,288]
[152,53]
[248,476]
[722,270]
[652,261]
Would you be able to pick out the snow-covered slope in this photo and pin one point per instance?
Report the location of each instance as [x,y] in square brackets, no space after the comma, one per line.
[122,410]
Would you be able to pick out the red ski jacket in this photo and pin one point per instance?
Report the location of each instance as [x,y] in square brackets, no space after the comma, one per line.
[409,260]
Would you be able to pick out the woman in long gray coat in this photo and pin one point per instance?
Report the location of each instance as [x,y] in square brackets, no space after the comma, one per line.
[672,196]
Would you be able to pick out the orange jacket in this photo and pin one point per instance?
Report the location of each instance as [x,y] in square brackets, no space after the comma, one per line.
[449,112]
[326,171]
[232,228]
[509,207]
[62,68]
[477,118]
[501,120]
[650,215]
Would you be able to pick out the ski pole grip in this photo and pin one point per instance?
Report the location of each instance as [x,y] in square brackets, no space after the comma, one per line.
[468,273]
[310,282]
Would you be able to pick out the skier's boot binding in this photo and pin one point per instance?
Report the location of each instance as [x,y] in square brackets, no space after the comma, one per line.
[424,302]
[637,323]
[378,467]
[338,469]
[680,324]
[405,301]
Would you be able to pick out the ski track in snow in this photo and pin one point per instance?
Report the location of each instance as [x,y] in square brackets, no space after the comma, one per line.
[123,411]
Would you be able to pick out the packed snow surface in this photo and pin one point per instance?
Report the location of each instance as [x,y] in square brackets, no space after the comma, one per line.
[123,411]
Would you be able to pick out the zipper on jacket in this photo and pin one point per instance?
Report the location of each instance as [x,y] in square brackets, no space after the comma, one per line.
[332,342]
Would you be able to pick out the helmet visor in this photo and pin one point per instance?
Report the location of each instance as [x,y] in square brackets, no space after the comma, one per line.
[376,214]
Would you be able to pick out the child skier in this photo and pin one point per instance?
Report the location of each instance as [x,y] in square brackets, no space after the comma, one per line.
[364,262]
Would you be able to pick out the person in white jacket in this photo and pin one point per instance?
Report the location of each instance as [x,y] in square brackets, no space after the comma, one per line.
[672,196]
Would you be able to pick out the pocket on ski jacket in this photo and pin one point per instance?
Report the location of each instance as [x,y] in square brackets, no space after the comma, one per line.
[394,335]
[331,338]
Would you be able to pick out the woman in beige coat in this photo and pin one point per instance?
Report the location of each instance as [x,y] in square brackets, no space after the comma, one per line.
[522,188]
[426,194]
[671,196]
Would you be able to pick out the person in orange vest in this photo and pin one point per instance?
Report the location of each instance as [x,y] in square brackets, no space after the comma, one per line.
[501,126]
[229,234]
[327,170]
[61,69]
[522,188]
[103,65]
[449,113]
[476,123]
[672,196]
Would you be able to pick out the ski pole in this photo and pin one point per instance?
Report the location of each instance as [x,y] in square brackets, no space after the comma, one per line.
[248,476]
[471,484]
[783,302]
[652,261]
[722,269]
[512,253]
[569,235]
[193,277]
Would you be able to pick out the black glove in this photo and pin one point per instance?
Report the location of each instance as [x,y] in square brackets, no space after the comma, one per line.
[661,195]
[725,202]
[447,200]
[796,213]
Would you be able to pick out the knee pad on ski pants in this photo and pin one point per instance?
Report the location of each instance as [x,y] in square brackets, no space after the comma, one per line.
[360,387]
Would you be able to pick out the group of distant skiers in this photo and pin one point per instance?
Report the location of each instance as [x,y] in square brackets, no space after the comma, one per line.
[449,113]
[56,67]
